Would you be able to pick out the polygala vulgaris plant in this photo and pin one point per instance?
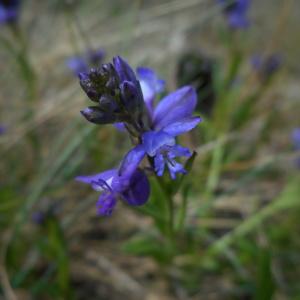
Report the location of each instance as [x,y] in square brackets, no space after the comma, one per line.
[126,99]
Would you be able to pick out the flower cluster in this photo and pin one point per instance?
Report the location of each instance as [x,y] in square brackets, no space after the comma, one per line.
[236,12]
[126,98]
[9,11]
[82,63]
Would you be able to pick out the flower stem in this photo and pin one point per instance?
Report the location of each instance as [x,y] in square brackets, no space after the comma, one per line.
[171,218]
[170,230]
[168,196]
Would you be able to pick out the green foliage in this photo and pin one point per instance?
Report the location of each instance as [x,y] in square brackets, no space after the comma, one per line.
[265,286]
[149,245]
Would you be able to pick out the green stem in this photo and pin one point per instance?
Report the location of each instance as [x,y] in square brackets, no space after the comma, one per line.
[215,168]
[182,216]
[171,218]
[170,205]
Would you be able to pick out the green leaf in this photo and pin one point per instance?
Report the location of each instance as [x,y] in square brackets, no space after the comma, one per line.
[146,245]
[48,175]
[181,213]
[289,198]
[156,207]
[265,286]
[215,167]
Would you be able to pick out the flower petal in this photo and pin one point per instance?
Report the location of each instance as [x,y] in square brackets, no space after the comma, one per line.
[151,85]
[159,164]
[131,162]
[174,168]
[106,176]
[153,140]
[106,203]
[150,77]
[139,189]
[182,126]
[123,69]
[178,150]
[131,96]
[175,107]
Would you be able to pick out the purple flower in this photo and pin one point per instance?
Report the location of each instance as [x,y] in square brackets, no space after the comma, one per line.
[82,63]
[132,187]
[296,142]
[9,11]
[2,129]
[266,67]
[236,12]
[296,138]
[171,117]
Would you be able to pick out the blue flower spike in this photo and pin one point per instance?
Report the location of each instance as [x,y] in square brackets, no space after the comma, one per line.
[127,100]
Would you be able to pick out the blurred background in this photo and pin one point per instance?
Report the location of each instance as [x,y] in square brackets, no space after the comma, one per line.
[241,235]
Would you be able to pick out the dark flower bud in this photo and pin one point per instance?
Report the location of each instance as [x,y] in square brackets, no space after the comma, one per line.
[108,104]
[123,70]
[95,115]
[112,84]
[130,86]
[98,82]
[89,89]
[109,69]
[82,76]
[129,96]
